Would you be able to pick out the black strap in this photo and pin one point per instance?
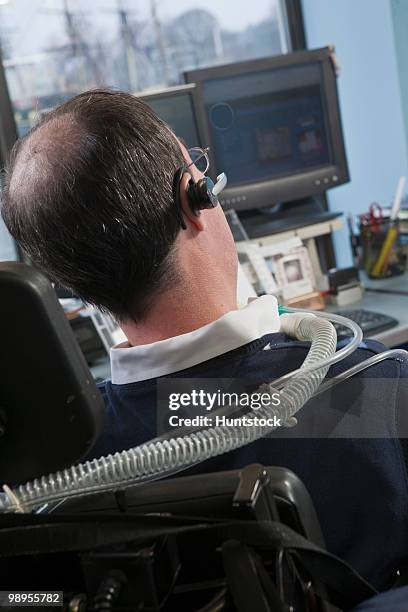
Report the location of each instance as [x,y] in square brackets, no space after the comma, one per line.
[59,534]
[250,590]
[347,588]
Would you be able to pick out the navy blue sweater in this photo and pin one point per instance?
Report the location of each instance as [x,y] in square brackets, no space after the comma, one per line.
[345,448]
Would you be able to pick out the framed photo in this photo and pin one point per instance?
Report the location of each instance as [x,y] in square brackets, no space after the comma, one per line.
[294,274]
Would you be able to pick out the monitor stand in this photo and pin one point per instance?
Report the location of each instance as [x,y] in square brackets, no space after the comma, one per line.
[284,217]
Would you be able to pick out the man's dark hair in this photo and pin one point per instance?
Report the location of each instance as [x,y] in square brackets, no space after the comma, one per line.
[89,198]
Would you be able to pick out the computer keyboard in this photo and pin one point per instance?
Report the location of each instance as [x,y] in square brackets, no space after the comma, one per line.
[370,322]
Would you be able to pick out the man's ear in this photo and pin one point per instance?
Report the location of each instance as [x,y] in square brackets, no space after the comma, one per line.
[197,221]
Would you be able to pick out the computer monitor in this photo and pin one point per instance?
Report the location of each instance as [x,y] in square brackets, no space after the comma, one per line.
[175,106]
[273,126]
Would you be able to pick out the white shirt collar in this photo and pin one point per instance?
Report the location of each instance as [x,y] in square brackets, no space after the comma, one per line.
[131,364]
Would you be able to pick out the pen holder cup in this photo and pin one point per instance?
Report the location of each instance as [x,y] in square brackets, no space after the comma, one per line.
[382,250]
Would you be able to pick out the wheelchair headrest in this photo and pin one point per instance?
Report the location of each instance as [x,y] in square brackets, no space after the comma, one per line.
[51,411]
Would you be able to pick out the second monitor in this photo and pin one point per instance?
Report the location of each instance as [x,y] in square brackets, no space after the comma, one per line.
[175,106]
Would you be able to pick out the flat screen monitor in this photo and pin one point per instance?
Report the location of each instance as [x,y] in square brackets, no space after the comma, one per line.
[273,126]
[175,106]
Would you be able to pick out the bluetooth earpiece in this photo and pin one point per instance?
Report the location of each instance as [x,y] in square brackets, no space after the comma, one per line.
[201,195]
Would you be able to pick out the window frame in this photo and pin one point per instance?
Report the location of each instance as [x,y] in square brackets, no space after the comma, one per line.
[295,24]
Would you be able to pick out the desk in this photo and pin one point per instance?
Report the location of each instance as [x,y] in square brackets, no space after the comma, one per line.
[393,305]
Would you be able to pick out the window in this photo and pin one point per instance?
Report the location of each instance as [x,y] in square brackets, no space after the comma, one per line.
[54,49]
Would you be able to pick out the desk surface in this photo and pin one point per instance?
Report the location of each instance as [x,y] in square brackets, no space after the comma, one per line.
[393,305]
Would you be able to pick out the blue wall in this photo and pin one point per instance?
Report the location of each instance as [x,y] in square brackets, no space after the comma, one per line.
[399,11]
[373,122]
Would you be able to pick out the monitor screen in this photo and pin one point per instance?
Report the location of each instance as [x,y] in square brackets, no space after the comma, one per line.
[267,124]
[175,107]
[273,126]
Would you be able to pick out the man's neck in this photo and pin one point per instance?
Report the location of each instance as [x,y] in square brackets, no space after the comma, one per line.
[178,312]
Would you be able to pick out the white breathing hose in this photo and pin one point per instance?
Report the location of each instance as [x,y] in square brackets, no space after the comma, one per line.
[167,456]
